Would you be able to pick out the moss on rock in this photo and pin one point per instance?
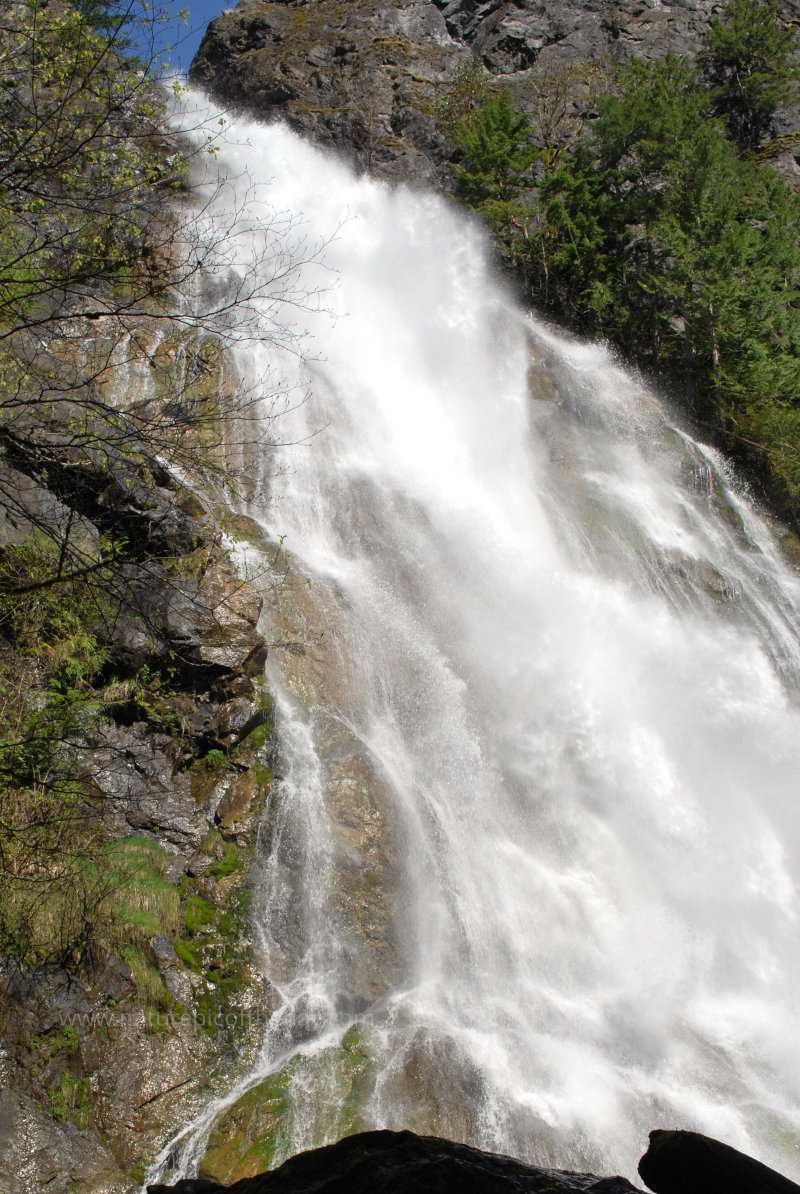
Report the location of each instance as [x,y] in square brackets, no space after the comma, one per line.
[253,1132]
[256,1133]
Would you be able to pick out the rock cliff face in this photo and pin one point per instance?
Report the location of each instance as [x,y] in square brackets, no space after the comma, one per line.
[365,77]
[95,1070]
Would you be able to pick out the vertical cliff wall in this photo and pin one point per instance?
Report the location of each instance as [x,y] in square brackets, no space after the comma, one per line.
[365,77]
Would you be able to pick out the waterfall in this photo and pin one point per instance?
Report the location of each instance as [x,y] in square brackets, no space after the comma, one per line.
[528,876]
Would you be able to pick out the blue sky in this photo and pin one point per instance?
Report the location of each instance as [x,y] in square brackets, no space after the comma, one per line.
[183,39]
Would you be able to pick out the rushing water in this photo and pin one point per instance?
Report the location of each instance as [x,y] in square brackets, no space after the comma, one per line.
[549,653]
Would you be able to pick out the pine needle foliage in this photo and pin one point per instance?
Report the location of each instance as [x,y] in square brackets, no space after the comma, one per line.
[748,67]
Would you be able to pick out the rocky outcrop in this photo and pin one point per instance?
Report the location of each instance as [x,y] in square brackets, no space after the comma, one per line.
[41,1154]
[362,77]
[180,605]
[366,77]
[94,1078]
[96,1068]
[401,1162]
[254,1134]
[689,1163]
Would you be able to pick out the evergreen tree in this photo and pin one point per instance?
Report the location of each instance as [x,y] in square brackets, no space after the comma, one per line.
[567,256]
[655,233]
[498,155]
[747,64]
[654,229]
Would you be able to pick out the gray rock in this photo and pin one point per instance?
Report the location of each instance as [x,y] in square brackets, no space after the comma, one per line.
[25,506]
[163,953]
[174,973]
[114,978]
[36,1153]
[241,796]
[363,78]
[142,788]
[366,78]
[207,624]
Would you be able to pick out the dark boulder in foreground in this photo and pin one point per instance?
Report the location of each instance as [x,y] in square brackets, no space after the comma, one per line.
[688,1163]
[403,1163]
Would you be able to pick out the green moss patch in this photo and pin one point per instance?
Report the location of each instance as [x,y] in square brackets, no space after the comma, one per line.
[69,1102]
[256,1133]
[147,903]
[253,1132]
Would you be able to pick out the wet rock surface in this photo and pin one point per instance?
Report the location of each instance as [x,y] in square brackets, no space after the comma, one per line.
[93,1078]
[367,838]
[37,1153]
[254,1134]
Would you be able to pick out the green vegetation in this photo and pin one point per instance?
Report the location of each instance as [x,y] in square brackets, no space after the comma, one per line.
[353,1079]
[69,891]
[150,990]
[50,842]
[70,1101]
[256,739]
[45,1048]
[198,913]
[146,903]
[213,949]
[137,1174]
[659,228]
[214,760]
[95,243]
[77,161]
[64,888]
[146,696]
[255,1132]
[96,240]
[229,863]
[747,66]
[86,249]
[497,156]
[90,258]
[254,1135]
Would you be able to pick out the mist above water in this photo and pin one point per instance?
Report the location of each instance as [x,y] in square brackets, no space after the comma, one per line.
[551,652]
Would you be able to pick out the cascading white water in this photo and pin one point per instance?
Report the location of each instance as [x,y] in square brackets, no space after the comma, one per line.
[560,652]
